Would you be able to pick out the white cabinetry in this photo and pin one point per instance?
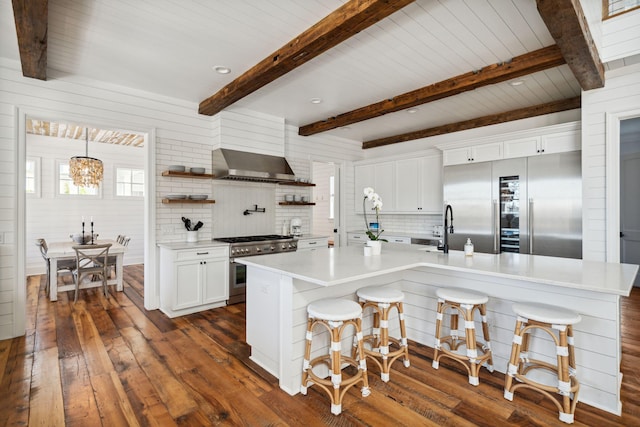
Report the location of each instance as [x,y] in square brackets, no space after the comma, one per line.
[477,153]
[406,186]
[193,279]
[397,239]
[354,239]
[378,176]
[510,148]
[312,243]
[545,144]
[418,185]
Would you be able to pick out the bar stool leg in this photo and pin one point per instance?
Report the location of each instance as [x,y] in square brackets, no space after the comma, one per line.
[307,357]
[487,341]
[513,367]
[403,335]
[470,338]
[437,345]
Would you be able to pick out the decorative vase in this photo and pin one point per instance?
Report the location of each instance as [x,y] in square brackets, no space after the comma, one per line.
[376,246]
[192,236]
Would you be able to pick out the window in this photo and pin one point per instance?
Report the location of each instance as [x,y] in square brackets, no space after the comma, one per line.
[66,185]
[129,182]
[616,7]
[331,197]
[32,184]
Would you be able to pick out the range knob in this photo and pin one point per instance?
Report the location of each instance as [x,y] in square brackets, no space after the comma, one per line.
[273,248]
[258,250]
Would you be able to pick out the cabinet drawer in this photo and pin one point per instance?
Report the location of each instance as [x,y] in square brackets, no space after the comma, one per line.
[397,239]
[204,252]
[304,244]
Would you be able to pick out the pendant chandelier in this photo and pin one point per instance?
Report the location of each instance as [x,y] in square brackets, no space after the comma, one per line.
[86,171]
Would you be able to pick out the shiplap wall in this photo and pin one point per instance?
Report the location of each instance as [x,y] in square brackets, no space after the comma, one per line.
[54,217]
[621,93]
[179,130]
[621,36]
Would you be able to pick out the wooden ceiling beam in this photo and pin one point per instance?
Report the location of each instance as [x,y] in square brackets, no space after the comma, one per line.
[568,26]
[31,17]
[508,116]
[346,21]
[528,63]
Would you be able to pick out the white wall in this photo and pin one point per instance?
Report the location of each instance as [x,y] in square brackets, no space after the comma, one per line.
[621,36]
[54,217]
[621,93]
[178,128]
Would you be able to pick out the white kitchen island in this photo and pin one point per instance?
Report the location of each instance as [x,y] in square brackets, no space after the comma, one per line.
[280,286]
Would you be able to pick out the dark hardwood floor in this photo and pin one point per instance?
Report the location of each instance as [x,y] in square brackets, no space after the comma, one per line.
[107,361]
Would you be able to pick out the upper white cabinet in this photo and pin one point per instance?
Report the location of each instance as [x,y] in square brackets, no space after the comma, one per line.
[545,144]
[418,185]
[533,145]
[523,147]
[405,186]
[477,153]
[378,176]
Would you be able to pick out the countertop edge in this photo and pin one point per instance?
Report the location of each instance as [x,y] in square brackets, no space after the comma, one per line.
[621,291]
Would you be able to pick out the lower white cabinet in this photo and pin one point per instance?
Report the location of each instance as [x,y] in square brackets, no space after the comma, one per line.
[193,280]
[354,239]
[312,243]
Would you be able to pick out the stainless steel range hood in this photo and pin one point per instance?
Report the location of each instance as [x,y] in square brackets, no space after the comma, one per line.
[245,166]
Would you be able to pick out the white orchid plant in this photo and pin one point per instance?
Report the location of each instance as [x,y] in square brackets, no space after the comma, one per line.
[376,201]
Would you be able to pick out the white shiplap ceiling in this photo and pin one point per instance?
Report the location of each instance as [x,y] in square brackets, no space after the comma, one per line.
[169,47]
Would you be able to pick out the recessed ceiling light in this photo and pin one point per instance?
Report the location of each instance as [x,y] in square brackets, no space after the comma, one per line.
[345,128]
[221,70]
[516,82]
[315,100]
[412,110]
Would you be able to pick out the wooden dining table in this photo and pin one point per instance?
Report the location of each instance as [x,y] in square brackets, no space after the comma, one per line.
[64,250]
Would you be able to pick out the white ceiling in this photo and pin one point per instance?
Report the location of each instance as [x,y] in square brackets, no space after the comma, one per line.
[170,46]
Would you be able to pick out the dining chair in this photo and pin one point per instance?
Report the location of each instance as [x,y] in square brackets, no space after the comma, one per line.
[111,260]
[63,264]
[91,260]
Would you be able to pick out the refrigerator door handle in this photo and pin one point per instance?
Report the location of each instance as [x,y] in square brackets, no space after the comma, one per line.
[496,226]
[530,226]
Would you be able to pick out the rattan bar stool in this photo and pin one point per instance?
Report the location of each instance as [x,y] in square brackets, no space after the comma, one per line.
[463,302]
[548,318]
[382,300]
[335,315]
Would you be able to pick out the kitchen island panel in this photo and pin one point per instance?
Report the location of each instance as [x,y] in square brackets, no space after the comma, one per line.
[597,346]
[591,288]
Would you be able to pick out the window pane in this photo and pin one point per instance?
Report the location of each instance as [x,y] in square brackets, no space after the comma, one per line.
[129,182]
[30,186]
[66,185]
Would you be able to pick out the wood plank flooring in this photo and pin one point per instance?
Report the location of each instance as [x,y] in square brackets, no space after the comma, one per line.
[107,361]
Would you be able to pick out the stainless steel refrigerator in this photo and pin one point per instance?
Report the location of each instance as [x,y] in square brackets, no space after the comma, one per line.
[525,205]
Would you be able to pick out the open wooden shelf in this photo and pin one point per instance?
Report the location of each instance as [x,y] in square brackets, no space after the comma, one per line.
[296,204]
[188,174]
[201,202]
[298,184]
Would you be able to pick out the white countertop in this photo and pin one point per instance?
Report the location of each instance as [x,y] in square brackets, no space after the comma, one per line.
[192,245]
[345,264]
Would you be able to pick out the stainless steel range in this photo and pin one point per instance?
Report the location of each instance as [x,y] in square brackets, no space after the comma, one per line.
[251,246]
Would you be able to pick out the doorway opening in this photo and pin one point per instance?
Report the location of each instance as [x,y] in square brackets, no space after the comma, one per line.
[54,208]
[326,211]
[629,192]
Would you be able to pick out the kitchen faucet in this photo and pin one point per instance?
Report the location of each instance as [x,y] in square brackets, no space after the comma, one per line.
[447,228]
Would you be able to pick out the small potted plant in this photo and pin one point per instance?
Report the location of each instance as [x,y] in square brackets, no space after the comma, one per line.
[373,232]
